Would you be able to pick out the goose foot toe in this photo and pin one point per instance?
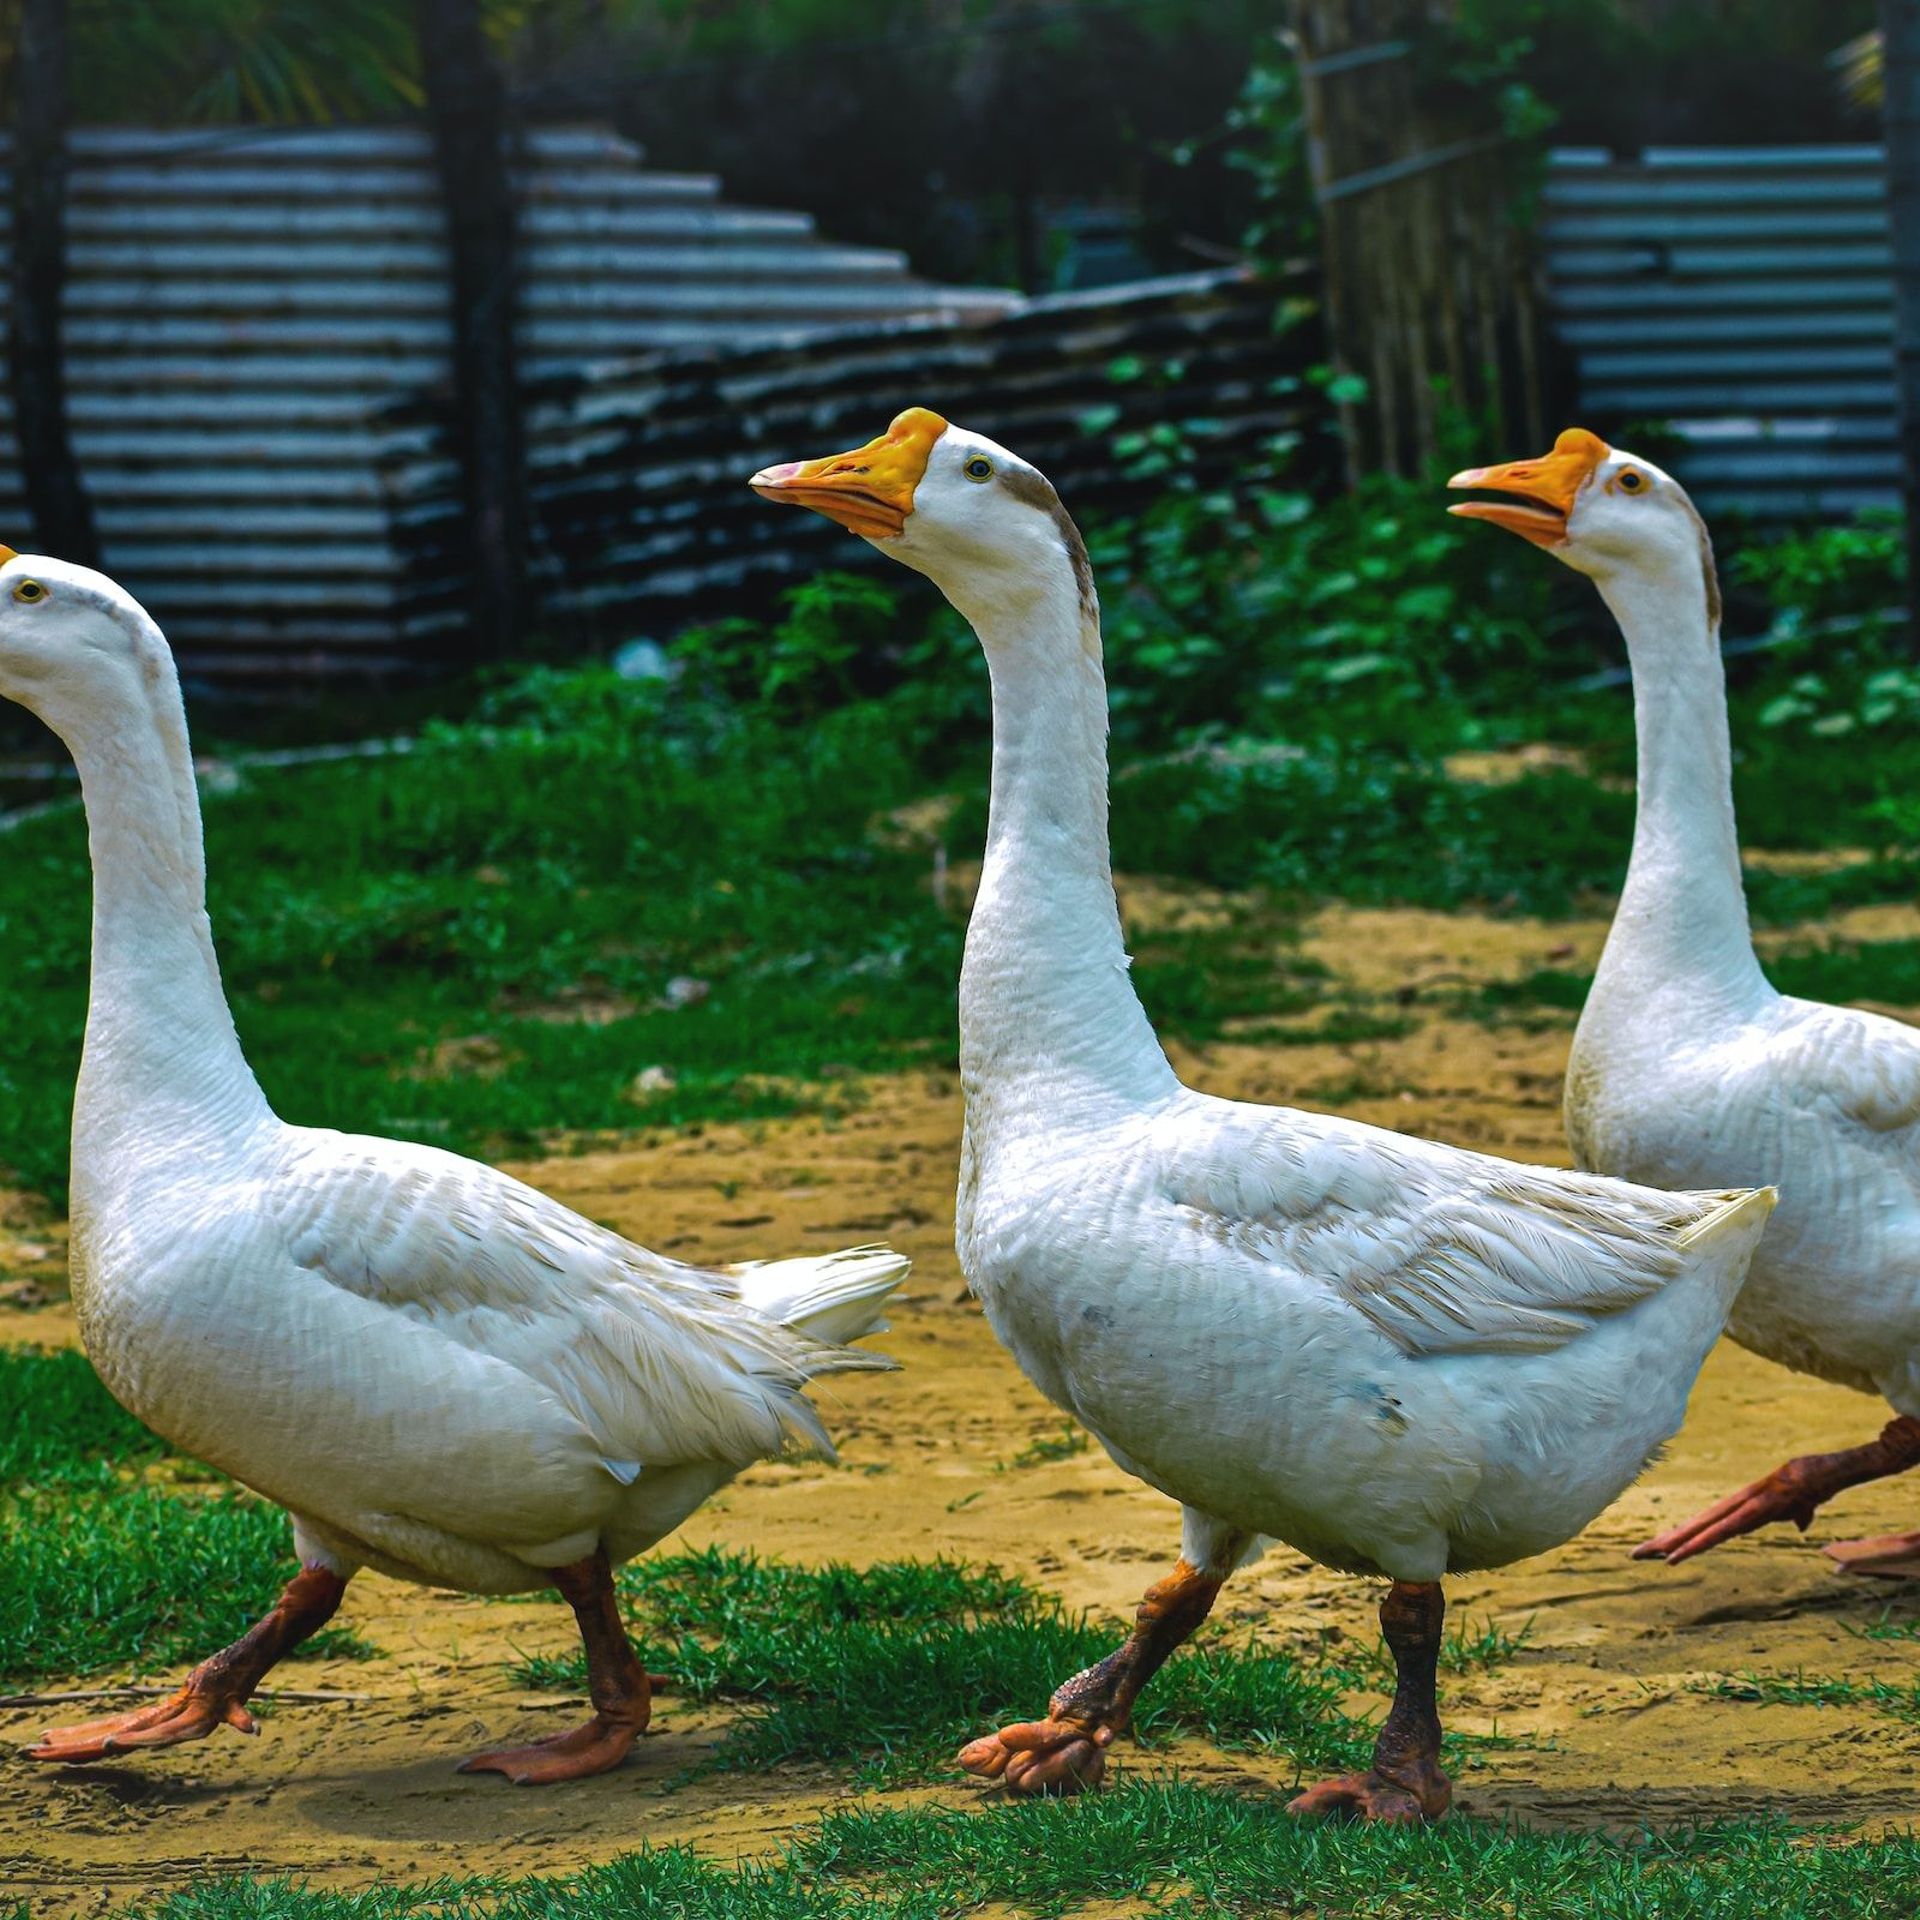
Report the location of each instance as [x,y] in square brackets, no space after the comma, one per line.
[1375,1797]
[1887,1556]
[1041,1756]
[1787,1493]
[597,1747]
[189,1714]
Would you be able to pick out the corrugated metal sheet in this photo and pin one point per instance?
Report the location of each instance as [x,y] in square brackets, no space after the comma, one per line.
[638,471]
[240,302]
[1740,301]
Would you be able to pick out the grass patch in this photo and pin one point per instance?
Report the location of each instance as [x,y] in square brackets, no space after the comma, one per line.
[59,1427]
[1464,1648]
[138,1580]
[1900,1703]
[98,1575]
[515,920]
[1049,1447]
[1886,1627]
[1883,970]
[1185,1850]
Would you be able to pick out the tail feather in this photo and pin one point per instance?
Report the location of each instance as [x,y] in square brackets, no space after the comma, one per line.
[1728,1234]
[835,1298]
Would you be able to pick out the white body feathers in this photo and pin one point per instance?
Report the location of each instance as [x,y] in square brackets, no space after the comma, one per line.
[1395,1355]
[438,1370]
[1687,1066]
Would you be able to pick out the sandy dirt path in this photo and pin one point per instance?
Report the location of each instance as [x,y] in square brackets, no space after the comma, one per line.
[1608,1686]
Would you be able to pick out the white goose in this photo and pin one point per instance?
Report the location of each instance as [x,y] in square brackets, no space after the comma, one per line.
[1687,1066]
[1399,1357]
[437,1370]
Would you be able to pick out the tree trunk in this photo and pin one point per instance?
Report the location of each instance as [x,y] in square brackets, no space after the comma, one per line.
[56,496]
[1900,40]
[466,107]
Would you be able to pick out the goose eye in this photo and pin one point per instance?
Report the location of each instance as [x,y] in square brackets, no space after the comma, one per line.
[28,591]
[1631,482]
[978,468]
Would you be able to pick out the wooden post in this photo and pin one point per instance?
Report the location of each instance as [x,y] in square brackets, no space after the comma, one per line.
[1900,54]
[1427,277]
[36,368]
[466,106]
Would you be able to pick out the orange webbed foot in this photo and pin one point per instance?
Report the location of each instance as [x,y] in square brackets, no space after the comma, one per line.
[1887,1556]
[1781,1495]
[186,1715]
[1042,1756]
[1374,1797]
[597,1747]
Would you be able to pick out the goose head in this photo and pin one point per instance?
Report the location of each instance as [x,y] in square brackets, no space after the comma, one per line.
[70,638]
[981,523]
[1607,513]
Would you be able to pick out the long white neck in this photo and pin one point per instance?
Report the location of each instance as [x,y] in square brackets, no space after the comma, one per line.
[1682,920]
[162,1071]
[1052,1034]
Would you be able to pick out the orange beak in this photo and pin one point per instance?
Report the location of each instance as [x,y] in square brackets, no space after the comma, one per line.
[1548,485]
[868,491]
[6,554]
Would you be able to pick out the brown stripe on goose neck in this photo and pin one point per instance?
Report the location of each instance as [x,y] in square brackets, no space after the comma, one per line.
[1706,561]
[1036,490]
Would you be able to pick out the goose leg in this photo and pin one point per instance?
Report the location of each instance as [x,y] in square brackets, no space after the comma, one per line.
[619,1686]
[1405,1785]
[1067,1751]
[217,1690]
[1791,1492]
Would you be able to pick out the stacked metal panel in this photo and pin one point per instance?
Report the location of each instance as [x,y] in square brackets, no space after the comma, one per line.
[1732,308]
[241,300]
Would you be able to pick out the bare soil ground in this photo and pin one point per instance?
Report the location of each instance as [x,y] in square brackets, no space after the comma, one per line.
[1608,1688]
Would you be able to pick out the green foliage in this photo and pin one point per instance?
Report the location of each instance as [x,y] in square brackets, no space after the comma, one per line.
[59,1427]
[137,1578]
[517,919]
[1883,970]
[243,60]
[1626,74]
[100,1573]
[1173,1847]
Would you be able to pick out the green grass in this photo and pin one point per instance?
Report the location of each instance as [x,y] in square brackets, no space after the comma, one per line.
[1887,1626]
[514,921]
[137,1580]
[59,1427]
[1884,970]
[598,905]
[1179,1847]
[1049,1447]
[102,1574]
[1901,1703]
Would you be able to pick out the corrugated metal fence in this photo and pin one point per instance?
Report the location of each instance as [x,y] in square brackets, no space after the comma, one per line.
[1738,302]
[239,302]
[638,472]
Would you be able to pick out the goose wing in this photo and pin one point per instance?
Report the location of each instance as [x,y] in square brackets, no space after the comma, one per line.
[1439,1249]
[658,1361]
[1860,1066]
